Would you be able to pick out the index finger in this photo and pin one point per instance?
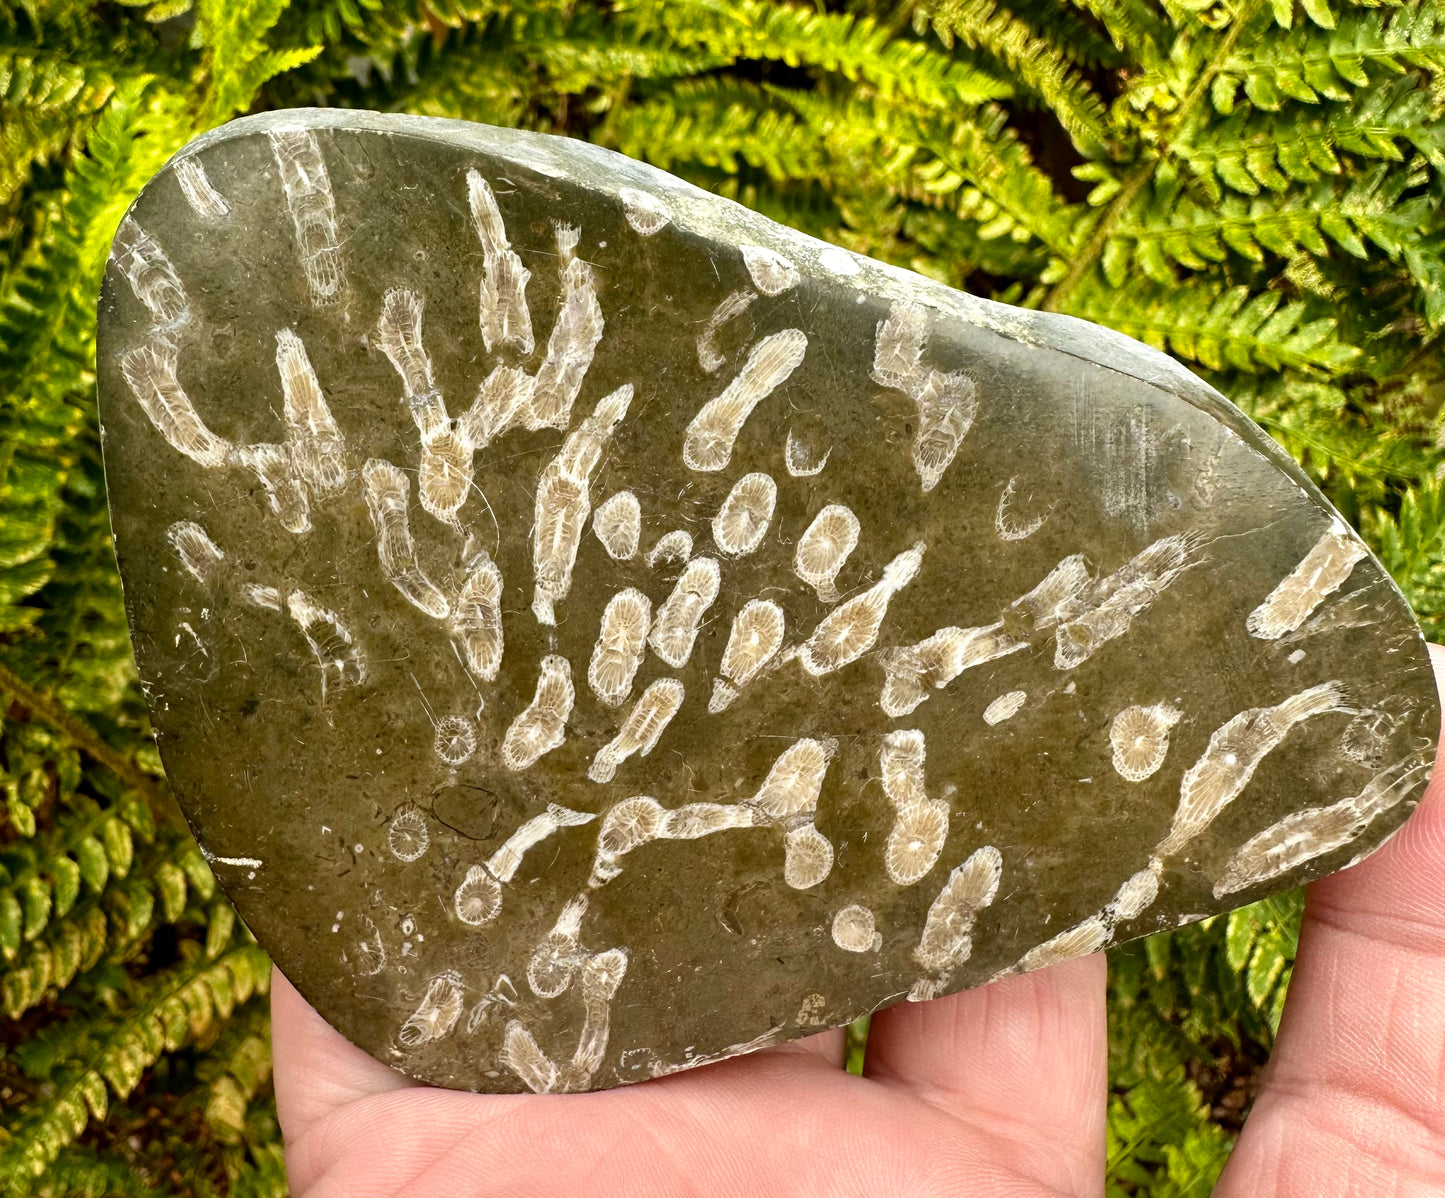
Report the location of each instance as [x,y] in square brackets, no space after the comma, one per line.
[1353,1101]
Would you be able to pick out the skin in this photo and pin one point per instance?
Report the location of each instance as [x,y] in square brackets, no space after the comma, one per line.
[996,1091]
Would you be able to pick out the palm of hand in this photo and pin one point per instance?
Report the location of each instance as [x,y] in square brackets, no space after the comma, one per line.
[998,1091]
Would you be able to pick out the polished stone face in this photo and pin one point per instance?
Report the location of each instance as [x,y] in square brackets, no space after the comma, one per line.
[594,630]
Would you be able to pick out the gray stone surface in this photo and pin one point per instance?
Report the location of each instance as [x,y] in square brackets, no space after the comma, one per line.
[594,630]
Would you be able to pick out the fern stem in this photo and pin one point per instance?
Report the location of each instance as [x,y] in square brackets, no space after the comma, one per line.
[1094,247]
[88,741]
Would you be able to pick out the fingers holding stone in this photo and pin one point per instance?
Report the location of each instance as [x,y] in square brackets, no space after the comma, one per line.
[1354,1099]
[1025,1055]
[317,1069]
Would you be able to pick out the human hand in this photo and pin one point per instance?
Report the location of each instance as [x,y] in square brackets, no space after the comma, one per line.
[998,1091]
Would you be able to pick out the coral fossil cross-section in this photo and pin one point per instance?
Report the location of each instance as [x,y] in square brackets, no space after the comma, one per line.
[594,630]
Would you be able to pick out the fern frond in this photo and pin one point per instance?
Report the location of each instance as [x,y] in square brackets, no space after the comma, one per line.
[1411,544]
[1261,941]
[977,166]
[1041,66]
[239,58]
[47,331]
[1311,66]
[1169,227]
[1137,30]
[234,1071]
[718,123]
[44,106]
[113,916]
[857,48]
[1250,151]
[44,875]
[1217,327]
[174,1008]
[80,1171]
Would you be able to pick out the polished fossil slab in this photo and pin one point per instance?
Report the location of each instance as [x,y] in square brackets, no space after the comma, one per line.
[594,630]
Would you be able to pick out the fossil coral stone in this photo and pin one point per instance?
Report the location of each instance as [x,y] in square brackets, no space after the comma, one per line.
[557,720]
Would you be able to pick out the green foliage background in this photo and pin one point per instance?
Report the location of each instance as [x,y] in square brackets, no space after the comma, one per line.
[1254,186]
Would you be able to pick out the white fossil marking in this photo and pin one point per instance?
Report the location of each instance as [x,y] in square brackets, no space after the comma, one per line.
[444,475]
[771,273]
[824,548]
[1235,750]
[1304,835]
[503,313]
[1009,528]
[600,978]
[1086,612]
[947,939]
[630,824]
[799,457]
[733,305]
[313,210]
[899,345]
[479,897]
[330,641]
[920,825]
[851,628]
[854,931]
[387,492]
[1108,609]
[937,661]
[1134,896]
[151,275]
[1140,739]
[501,399]
[807,856]
[476,621]
[150,371]
[1005,707]
[788,797]
[641,730]
[839,261]
[1322,572]
[318,451]
[456,739]
[370,952]
[795,780]
[674,546]
[742,521]
[1078,941]
[238,862]
[541,726]
[708,444]
[674,631]
[572,344]
[276,471]
[556,959]
[756,637]
[502,994]
[200,555]
[205,201]
[694,1060]
[618,525]
[437,1012]
[259,595]
[407,837]
[1366,739]
[564,502]
[505,861]
[946,403]
[621,643]
[644,211]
